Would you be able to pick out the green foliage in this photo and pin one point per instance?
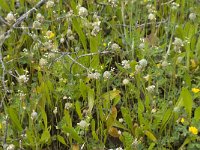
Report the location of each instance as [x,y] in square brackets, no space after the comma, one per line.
[99,74]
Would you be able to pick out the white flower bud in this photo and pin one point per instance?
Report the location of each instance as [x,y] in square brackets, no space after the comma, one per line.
[125,81]
[83,124]
[143,63]
[33,114]
[192,16]
[10,147]
[150,88]
[49,4]
[83,12]
[115,47]
[151,17]
[106,74]
[10,17]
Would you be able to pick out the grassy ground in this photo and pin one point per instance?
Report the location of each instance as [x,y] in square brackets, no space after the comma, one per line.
[100,74]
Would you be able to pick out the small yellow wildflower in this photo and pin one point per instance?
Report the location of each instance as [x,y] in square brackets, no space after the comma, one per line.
[50,34]
[193,130]
[0,126]
[182,120]
[195,90]
[104,44]
[158,65]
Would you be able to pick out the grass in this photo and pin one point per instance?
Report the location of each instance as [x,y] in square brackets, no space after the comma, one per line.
[100,75]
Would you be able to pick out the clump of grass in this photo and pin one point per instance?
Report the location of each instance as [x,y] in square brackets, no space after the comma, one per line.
[99,75]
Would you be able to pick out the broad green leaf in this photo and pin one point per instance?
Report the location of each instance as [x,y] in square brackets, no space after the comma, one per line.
[78,109]
[90,99]
[110,120]
[14,118]
[166,118]
[150,135]
[61,139]
[110,95]
[45,136]
[197,114]
[127,117]
[186,101]
[68,118]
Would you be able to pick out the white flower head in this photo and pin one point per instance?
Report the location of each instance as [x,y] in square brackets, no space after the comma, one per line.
[10,147]
[125,81]
[143,63]
[95,75]
[23,78]
[151,17]
[142,46]
[42,62]
[62,40]
[106,74]
[10,18]
[49,4]
[165,63]
[68,105]
[39,17]
[121,120]
[192,16]
[115,47]
[174,6]
[150,88]
[119,148]
[125,64]
[55,111]
[178,42]
[33,114]
[83,124]
[82,12]
[36,24]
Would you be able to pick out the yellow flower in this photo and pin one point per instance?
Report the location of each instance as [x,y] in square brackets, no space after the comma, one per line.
[0,126]
[182,120]
[50,34]
[195,90]
[193,130]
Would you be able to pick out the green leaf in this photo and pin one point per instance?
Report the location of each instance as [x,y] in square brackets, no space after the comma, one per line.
[90,99]
[94,43]
[150,135]
[45,136]
[4,5]
[78,109]
[197,114]
[61,139]
[76,26]
[186,101]
[110,95]
[15,120]
[44,116]
[127,117]
[111,117]
[165,119]
[72,133]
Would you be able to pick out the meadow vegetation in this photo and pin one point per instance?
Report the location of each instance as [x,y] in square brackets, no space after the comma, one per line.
[99,74]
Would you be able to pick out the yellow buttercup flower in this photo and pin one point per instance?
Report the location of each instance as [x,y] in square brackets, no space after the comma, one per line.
[50,34]
[193,130]
[195,90]
[182,120]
